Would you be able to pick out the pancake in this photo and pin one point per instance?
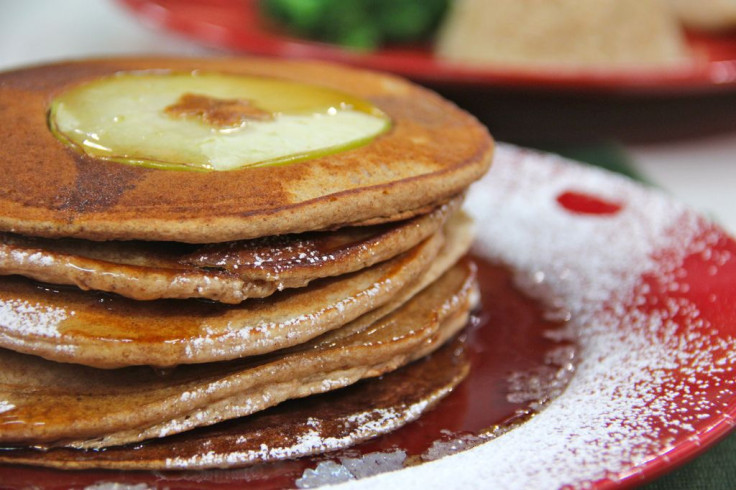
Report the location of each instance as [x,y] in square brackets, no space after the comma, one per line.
[68,325]
[71,325]
[228,273]
[432,151]
[65,404]
[459,233]
[331,421]
[190,242]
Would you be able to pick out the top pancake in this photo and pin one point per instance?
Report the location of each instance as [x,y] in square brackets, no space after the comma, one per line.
[432,151]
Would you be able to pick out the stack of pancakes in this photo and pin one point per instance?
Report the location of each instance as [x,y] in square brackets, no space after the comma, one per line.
[138,302]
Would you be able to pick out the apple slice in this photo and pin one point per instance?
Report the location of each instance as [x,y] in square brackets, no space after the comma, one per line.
[210,121]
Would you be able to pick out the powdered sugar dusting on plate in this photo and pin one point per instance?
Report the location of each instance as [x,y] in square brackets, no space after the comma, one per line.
[656,338]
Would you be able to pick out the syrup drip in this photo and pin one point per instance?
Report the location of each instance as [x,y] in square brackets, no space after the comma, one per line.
[508,337]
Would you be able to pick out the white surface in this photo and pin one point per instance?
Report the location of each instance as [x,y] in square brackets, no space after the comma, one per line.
[33,31]
[700,172]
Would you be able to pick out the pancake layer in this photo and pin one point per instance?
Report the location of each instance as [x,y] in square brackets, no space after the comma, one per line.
[228,273]
[70,325]
[331,421]
[84,407]
[433,151]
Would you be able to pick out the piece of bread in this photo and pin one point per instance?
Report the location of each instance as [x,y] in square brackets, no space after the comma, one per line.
[706,15]
[562,33]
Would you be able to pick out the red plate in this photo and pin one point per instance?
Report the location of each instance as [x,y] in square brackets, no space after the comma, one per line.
[645,286]
[236,25]
[648,288]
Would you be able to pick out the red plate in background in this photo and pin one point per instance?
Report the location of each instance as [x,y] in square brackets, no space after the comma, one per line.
[236,25]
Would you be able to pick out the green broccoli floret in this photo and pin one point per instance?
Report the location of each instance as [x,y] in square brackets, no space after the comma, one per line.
[359,24]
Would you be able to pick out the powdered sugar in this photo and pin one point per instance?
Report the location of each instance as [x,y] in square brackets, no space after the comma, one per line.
[117,486]
[654,367]
[331,472]
[32,319]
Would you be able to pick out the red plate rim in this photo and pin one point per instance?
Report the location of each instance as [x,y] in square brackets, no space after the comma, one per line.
[677,456]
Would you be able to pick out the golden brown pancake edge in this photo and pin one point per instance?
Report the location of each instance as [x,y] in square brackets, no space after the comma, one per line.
[433,151]
[229,272]
[342,419]
[86,407]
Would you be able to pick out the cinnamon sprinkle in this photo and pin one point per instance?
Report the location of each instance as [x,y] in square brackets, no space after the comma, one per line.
[217,112]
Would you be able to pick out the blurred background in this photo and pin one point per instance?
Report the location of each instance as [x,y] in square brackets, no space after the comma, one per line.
[627,85]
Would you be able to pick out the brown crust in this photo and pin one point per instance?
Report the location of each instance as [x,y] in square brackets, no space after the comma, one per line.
[228,272]
[69,325]
[117,407]
[341,418]
[433,151]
